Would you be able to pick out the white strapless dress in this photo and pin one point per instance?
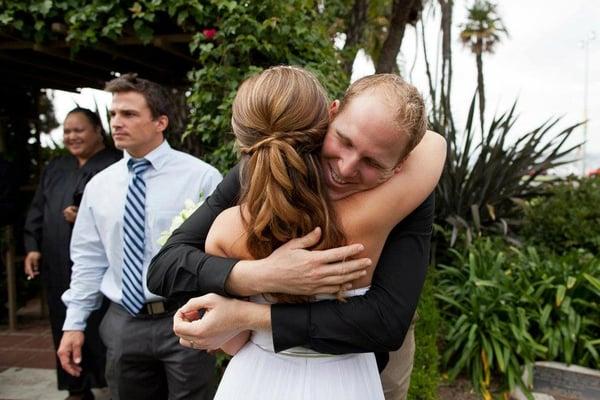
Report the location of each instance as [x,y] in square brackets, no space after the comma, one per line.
[256,372]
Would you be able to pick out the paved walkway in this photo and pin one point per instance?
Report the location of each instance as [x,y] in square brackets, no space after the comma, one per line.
[27,359]
[30,346]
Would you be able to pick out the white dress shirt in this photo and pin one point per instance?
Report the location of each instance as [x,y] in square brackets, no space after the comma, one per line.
[97,241]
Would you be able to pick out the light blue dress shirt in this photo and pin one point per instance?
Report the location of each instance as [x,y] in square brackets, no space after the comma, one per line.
[97,245]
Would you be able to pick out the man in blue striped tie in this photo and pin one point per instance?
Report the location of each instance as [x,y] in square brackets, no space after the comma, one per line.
[123,211]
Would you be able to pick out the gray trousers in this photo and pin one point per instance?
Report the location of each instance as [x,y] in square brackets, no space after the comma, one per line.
[395,378]
[144,359]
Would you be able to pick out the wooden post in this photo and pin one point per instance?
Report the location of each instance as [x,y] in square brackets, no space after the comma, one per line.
[11,278]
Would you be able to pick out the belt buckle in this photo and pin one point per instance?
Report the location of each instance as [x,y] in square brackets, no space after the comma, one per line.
[158,307]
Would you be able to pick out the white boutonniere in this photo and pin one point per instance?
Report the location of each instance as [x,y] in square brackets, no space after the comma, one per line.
[188,209]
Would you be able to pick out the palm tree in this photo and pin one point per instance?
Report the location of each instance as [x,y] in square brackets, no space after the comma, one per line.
[481,33]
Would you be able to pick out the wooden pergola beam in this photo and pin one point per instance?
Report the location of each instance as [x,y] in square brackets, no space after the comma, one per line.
[41,81]
[64,55]
[84,79]
[169,48]
[120,54]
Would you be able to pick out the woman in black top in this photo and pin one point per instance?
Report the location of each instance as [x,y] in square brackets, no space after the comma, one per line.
[48,233]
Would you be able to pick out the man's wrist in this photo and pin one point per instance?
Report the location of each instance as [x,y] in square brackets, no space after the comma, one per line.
[245,279]
[255,316]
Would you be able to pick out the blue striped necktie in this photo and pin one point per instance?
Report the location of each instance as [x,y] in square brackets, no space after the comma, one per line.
[133,237]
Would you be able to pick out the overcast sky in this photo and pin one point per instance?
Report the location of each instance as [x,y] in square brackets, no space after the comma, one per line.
[541,64]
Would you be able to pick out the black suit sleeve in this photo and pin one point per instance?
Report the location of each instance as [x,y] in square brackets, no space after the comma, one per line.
[377,321]
[181,268]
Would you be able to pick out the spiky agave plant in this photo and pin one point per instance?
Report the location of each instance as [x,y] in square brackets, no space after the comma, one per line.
[484,182]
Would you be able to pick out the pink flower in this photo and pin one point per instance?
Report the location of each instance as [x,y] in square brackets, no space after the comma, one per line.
[209,33]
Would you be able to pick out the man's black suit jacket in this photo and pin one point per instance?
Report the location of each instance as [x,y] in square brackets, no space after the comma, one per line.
[375,322]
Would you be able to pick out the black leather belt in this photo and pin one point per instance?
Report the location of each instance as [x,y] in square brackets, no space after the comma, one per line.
[157,308]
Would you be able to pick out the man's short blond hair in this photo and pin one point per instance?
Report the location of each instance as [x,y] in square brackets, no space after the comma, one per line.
[405,100]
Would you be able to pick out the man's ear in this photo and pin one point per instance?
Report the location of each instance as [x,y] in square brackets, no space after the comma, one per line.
[333,109]
[161,123]
[398,166]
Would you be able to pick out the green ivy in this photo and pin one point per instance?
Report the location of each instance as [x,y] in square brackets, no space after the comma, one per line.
[88,22]
[250,37]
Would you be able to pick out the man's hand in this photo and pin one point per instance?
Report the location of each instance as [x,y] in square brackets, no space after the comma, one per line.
[293,269]
[222,320]
[69,351]
[70,214]
[32,264]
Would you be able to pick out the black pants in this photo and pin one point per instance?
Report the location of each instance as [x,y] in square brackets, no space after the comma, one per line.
[93,358]
[146,361]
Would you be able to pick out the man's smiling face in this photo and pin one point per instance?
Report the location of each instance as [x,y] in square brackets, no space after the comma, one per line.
[363,146]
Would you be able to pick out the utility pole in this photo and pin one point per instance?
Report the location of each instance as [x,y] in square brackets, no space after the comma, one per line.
[585,44]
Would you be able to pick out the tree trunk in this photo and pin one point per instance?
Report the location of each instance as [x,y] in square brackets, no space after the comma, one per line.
[480,88]
[432,88]
[355,33]
[446,83]
[403,11]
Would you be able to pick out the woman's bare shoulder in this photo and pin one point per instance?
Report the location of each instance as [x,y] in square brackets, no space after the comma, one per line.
[432,146]
[225,233]
[230,214]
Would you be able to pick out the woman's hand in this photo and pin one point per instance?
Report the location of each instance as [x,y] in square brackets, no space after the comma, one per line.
[294,269]
[70,214]
[222,319]
[32,264]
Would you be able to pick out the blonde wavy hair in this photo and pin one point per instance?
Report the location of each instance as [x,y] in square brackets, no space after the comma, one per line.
[279,120]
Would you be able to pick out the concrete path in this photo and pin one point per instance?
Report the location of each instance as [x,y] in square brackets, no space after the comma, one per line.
[35,384]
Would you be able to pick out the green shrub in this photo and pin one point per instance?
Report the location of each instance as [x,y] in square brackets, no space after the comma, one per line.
[562,297]
[425,375]
[569,218]
[508,307]
[489,331]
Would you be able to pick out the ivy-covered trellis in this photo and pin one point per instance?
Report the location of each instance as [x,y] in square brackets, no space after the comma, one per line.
[229,40]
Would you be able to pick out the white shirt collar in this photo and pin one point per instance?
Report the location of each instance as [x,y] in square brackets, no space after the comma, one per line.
[157,157]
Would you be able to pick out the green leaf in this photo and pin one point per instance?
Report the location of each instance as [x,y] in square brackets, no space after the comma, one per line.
[594,281]
[136,9]
[181,17]
[499,351]
[5,19]
[560,295]
[206,47]
[545,315]
[485,283]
